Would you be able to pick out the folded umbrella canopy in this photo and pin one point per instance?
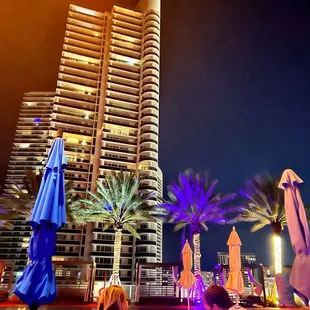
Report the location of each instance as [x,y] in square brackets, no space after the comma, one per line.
[235,281]
[37,284]
[299,231]
[187,278]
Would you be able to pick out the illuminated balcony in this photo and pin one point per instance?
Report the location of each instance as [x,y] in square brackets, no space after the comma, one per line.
[122,112]
[74,103]
[126,45]
[122,88]
[81,81]
[124,73]
[86,17]
[87,25]
[118,64]
[150,37]
[126,52]
[126,25]
[85,38]
[124,81]
[122,96]
[150,111]
[150,104]
[148,137]
[78,72]
[81,51]
[86,60]
[85,66]
[75,95]
[130,13]
[82,44]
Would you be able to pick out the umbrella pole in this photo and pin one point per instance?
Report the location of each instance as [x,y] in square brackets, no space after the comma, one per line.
[188,306]
[237,300]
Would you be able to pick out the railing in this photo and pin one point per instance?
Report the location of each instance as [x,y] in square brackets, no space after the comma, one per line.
[75,279]
[6,278]
[253,278]
[156,280]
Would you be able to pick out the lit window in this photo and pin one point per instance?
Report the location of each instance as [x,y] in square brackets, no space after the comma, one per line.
[24,145]
[73,140]
[132,61]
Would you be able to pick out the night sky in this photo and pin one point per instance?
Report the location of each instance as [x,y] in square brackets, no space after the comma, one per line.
[235,96]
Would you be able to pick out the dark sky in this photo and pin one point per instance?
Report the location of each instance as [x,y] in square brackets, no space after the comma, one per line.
[235,96]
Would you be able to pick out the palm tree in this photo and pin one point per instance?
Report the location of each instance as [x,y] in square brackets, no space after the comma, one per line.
[118,204]
[19,203]
[264,206]
[192,202]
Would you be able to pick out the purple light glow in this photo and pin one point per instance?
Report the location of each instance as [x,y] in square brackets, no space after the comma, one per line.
[192,202]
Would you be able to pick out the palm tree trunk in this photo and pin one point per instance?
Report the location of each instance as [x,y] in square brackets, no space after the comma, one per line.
[196,245]
[277,253]
[197,292]
[117,256]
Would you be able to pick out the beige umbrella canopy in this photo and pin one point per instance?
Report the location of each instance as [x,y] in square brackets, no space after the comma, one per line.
[235,281]
[187,278]
[299,232]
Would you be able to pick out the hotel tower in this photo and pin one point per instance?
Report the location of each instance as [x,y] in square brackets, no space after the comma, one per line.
[107,103]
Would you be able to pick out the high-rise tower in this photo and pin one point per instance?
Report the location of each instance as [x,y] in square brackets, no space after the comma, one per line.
[30,141]
[107,103]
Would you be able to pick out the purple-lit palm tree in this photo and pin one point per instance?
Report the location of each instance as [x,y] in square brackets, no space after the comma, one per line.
[192,202]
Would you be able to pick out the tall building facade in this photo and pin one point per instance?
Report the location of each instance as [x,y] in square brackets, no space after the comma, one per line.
[107,103]
[30,141]
[246,258]
[28,152]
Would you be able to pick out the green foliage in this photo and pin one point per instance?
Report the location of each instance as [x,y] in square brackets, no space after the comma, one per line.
[117,203]
[19,204]
[264,204]
[192,201]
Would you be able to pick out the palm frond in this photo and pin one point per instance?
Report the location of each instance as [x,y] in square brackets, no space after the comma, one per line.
[118,202]
[258,226]
[130,228]
[19,204]
[179,226]
[263,203]
[192,201]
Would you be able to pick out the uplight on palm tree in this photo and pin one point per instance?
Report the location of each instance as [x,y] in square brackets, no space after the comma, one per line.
[192,202]
[264,205]
[118,203]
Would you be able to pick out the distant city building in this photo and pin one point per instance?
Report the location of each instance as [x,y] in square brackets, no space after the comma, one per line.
[107,103]
[246,258]
[269,270]
[207,278]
